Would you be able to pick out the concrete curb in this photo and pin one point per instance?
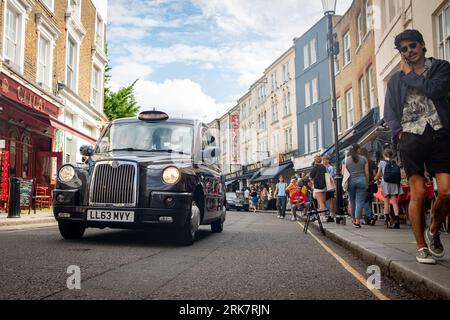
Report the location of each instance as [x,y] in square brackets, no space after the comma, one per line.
[25,220]
[398,270]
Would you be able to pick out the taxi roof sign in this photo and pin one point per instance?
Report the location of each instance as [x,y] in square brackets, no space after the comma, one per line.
[153,116]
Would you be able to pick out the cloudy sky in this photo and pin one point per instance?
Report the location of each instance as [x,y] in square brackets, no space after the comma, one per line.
[195,58]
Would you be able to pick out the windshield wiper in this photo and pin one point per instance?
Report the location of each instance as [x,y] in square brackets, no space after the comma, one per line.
[147,150]
[128,149]
[169,151]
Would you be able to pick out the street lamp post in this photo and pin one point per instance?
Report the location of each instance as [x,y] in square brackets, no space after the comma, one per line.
[329,8]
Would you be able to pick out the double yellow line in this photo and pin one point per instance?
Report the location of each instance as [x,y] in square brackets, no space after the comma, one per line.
[377,293]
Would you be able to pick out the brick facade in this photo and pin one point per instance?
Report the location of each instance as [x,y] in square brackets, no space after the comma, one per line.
[362,57]
[58,18]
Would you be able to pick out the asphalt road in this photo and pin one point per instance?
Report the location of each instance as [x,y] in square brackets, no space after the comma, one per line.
[256,257]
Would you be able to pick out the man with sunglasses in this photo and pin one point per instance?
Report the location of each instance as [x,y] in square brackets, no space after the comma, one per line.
[417,111]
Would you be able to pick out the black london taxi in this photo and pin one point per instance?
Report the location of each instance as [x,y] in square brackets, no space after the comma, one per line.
[149,171]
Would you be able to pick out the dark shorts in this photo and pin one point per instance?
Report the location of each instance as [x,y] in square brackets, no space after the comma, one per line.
[430,151]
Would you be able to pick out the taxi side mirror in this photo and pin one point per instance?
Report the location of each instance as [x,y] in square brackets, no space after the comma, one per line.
[211,152]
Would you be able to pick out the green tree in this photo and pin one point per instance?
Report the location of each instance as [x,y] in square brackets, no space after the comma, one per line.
[120,104]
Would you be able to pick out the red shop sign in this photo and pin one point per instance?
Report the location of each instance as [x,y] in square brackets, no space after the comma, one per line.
[15,91]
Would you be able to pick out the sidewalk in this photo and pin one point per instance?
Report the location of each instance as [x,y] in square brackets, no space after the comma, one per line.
[394,252]
[41,217]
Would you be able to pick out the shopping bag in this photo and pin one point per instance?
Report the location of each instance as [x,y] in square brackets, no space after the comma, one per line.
[331,186]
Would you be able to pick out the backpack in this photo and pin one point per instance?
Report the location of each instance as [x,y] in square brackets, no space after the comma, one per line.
[392,173]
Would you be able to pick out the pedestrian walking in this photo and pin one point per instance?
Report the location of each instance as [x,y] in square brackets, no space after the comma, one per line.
[320,186]
[358,168]
[391,190]
[254,199]
[372,188]
[265,198]
[417,111]
[280,194]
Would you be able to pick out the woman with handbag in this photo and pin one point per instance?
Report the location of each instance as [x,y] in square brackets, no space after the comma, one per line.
[358,168]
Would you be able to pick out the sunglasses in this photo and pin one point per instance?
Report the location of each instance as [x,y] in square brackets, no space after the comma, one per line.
[412,45]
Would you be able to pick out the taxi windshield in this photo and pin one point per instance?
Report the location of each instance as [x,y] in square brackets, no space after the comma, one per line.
[147,137]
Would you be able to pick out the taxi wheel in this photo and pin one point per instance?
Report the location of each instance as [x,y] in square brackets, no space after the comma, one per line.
[217,226]
[70,230]
[186,235]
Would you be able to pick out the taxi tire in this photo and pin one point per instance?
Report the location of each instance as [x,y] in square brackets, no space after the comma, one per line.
[217,226]
[71,230]
[184,235]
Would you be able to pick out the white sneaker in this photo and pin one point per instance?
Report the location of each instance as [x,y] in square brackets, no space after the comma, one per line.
[293,219]
[424,256]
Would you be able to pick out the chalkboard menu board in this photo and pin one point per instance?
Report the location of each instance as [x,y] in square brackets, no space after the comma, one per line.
[26,192]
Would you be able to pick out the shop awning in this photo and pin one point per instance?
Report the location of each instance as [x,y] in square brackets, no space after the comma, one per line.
[227,183]
[59,125]
[272,172]
[255,175]
[359,130]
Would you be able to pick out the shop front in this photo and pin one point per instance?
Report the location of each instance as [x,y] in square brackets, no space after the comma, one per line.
[27,135]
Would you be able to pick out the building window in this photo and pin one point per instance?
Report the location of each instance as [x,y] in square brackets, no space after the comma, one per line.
[339,115]
[75,8]
[288,103]
[362,96]
[274,81]
[276,143]
[49,4]
[288,139]
[72,60]
[14,35]
[274,111]
[368,10]
[444,33]
[336,64]
[306,57]
[306,139]
[96,87]
[371,86]
[286,75]
[44,63]
[100,31]
[350,108]
[359,27]
[347,49]
[312,136]
[313,47]
[307,94]
[315,91]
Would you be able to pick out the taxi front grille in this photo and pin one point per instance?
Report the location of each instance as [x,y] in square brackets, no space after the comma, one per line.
[114,183]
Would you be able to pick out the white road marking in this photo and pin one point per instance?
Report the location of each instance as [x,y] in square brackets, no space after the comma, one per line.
[377,293]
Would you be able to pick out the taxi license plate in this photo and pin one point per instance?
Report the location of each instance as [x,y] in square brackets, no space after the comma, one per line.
[110,215]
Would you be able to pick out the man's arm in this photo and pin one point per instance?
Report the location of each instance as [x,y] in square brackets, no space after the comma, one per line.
[435,87]
[390,116]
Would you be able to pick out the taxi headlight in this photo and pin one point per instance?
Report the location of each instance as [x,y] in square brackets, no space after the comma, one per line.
[66,173]
[171,175]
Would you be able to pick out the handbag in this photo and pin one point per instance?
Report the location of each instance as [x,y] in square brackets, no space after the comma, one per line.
[331,186]
[346,177]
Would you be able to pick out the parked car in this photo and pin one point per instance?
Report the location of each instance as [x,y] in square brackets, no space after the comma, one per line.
[149,171]
[236,201]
